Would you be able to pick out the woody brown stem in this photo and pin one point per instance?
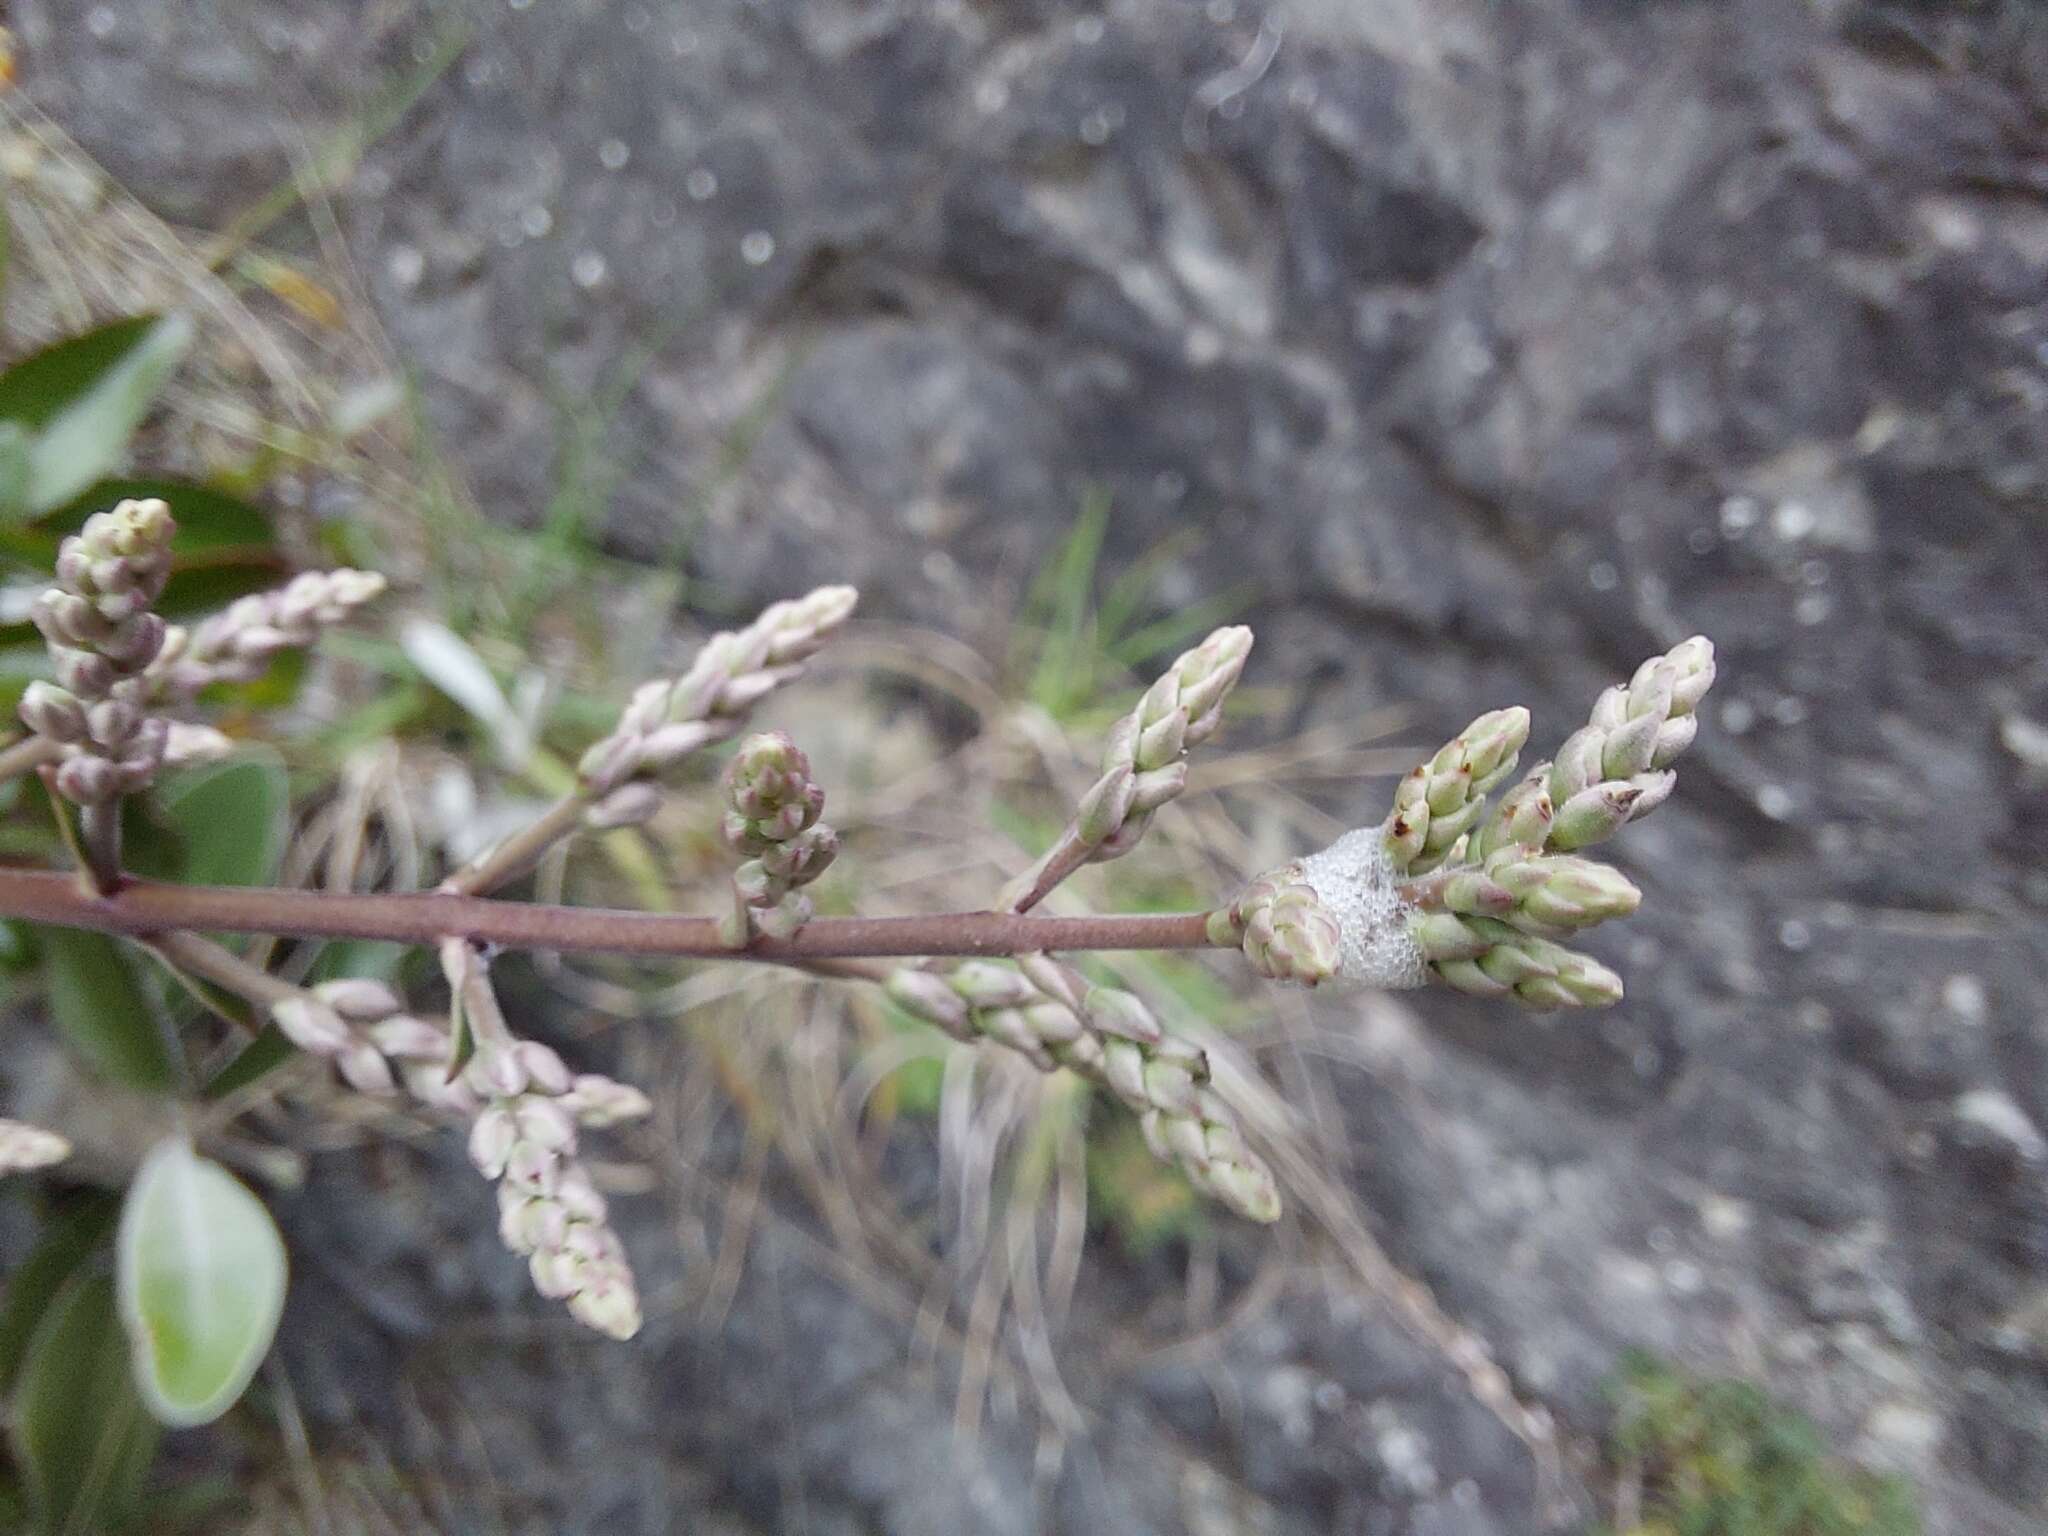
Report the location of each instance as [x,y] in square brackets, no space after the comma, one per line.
[146,907]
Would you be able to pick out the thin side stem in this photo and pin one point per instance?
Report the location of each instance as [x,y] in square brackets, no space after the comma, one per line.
[1053,866]
[149,907]
[99,843]
[522,850]
[27,755]
[225,969]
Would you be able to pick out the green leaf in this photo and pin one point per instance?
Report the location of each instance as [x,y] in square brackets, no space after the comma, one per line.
[103,1010]
[84,397]
[255,1061]
[227,1006]
[201,1272]
[15,444]
[17,945]
[232,818]
[461,1038]
[80,1433]
[68,1239]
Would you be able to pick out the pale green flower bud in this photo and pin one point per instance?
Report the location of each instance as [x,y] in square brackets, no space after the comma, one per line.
[929,997]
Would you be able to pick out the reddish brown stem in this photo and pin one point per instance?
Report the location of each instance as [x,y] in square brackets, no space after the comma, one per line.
[150,907]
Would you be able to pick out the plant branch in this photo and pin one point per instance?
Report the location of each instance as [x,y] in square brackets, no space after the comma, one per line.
[1057,862]
[522,850]
[225,969]
[148,907]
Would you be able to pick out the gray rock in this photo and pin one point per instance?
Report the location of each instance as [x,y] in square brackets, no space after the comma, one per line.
[1490,349]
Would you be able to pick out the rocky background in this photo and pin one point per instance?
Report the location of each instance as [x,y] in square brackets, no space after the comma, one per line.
[1498,345]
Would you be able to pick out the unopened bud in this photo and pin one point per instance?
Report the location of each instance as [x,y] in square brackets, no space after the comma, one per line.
[359,998]
[310,1025]
[928,997]
[366,1070]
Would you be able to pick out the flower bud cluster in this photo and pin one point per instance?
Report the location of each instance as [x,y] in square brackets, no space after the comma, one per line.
[238,643]
[1490,958]
[668,720]
[1053,1017]
[1439,802]
[524,1106]
[772,808]
[524,1137]
[1479,898]
[548,1209]
[103,634]
[1617,768]
[1283,927]
[1144,764]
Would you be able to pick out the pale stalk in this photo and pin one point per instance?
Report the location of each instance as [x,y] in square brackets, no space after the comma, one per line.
[99,844]
[27,755]
[522,850]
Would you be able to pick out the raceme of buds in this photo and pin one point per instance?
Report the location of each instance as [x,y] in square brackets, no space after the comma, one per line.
[1488,958]
[1053,1017]
[771,813]
[668,720]
[1617,768]
[524,1137]
[238,643]
[1440,801]
[102,634]
[1283,927]
[1544,894]
[548,1210]
[1144,764]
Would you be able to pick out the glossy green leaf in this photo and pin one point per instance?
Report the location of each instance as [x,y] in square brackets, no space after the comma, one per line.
[67,1240]
[211,522]
[18,950]
[103,1009]
[84,397]
[201,1272]
[15,467]
[79,1431]
[232,818]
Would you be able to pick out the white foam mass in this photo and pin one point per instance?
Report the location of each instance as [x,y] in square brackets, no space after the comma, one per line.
[1356,885]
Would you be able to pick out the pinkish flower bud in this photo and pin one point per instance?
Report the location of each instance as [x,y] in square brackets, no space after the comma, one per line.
[545,1124]
[533,1167]
[491,1141]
